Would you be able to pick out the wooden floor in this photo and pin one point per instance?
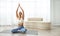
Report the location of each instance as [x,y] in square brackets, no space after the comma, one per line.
[55,31]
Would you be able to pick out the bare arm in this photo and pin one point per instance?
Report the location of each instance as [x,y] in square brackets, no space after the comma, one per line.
[22,12]
[23,15]
[17,12]
[22,9]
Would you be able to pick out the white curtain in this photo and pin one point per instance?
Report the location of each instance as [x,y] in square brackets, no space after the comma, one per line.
[32,8]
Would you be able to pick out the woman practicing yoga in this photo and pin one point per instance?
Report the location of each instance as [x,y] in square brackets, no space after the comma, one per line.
[20,17]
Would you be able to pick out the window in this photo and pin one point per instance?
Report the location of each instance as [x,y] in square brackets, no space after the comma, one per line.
[32,8]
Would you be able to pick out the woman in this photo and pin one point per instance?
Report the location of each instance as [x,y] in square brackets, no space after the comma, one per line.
[20,17]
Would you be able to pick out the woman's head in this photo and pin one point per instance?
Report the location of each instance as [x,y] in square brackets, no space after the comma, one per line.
[20,14]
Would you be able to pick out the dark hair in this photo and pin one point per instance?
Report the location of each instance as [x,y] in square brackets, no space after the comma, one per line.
[20,13]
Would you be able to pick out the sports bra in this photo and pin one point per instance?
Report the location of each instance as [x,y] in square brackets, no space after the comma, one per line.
[20,21]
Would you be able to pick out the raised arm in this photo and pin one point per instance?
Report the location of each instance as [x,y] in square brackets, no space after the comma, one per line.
[23,15]
[17,11]
[22,12]
[22,9]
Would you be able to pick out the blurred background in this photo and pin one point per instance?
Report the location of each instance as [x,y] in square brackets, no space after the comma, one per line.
[32,8]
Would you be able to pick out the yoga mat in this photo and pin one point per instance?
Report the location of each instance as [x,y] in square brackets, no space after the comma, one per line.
[30,32]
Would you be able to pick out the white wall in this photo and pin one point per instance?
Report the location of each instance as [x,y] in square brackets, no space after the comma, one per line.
[55,12]
[43,9]
[5,12]
[32,8]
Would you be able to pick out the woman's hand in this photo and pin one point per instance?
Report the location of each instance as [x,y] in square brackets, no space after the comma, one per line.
[18,4]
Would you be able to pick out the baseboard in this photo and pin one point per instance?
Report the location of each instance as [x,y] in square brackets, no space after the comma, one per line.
[57,25]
